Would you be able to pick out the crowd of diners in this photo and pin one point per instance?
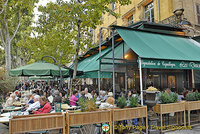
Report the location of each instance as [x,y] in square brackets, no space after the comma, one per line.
[40,97]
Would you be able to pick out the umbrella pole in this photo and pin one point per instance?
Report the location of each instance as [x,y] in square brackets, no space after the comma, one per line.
[60,85]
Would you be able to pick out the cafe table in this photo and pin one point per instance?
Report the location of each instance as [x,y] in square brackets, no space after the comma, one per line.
[4,118]
[67,107]
[10,109]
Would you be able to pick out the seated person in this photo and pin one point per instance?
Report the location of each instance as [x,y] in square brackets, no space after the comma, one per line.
[73,99]
[110,99]
[10,100]
[168,90]
[87,94]
[45,106]
[33,106]
[57,98]
[30,98]
[109,102]
[105,96]
[100,97]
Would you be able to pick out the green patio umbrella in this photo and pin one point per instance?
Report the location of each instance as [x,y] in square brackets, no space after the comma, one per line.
[40,68]
[41,78]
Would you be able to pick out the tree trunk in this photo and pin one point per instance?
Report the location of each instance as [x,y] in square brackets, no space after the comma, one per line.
[76,56]
[77,51]
[8,55]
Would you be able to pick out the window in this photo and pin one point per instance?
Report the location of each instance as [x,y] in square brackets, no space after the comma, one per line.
[198,13]
[149,12]
[130,20]
[113,6]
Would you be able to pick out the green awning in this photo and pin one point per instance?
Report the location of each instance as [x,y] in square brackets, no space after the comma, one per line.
[153,46]
[40,68]
[118,52]
[91,63]
[90,66]
[94,74]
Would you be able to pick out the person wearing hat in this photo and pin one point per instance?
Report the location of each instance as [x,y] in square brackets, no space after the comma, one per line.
[110,99]
[57,98]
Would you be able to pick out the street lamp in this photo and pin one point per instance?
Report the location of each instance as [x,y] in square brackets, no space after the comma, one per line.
[58,67]
[61,53]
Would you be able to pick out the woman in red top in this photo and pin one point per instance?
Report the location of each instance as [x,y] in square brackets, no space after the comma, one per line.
[45,106]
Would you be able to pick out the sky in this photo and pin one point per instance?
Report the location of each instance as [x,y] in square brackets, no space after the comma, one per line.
[43,3]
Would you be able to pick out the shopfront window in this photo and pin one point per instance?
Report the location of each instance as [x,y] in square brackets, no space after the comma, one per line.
[149,12]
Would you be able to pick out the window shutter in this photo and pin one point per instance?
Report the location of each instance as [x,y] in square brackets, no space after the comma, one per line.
[198,18]
[198,9]
[198,13]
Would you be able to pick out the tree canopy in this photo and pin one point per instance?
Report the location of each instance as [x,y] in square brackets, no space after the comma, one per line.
[13,13]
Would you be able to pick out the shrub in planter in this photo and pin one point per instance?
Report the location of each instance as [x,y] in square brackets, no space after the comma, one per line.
[193,96]
[166,98]
[190,97]
[133,101]
[81,103]
[121,102]
[87,105]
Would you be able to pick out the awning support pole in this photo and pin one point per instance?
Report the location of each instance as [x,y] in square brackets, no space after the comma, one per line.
[113,56]
[125,69]
[141,86]
[99,72]
[193,83]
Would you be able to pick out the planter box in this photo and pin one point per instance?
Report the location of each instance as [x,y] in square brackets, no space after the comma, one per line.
[86,118]
[170,108]
[32,123]
[192,105]
[130,113]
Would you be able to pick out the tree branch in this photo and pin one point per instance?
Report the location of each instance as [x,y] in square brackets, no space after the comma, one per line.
[7,36]
[5,4]
[16,27]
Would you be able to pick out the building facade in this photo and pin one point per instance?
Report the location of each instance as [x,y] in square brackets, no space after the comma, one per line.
[158,11]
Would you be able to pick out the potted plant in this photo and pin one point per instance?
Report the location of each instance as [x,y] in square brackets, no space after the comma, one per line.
[166,98]
[129,111]
[88,114]
[121,102]
[168,104]
[193,103]
[133,101]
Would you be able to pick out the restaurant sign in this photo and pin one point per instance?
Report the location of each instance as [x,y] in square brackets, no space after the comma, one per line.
[167,64]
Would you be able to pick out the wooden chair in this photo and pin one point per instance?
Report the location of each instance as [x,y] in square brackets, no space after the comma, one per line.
[38,122]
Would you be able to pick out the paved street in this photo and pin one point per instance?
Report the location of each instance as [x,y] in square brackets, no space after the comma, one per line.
[3,129]
[195,130]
